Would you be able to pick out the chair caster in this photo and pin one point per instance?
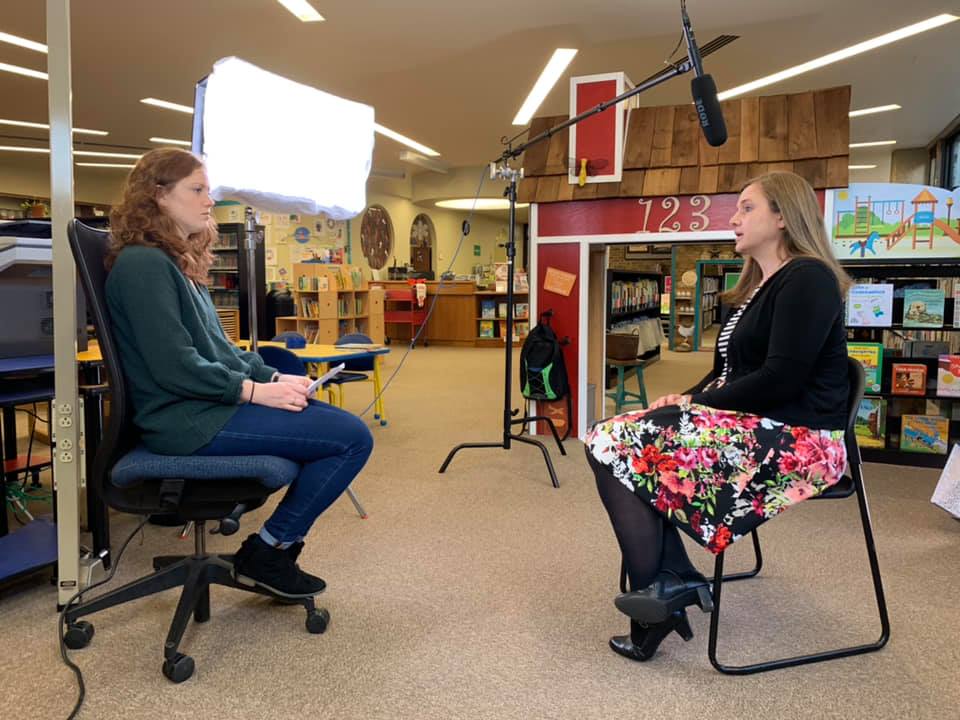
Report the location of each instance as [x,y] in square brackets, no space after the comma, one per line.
[383,423]
[317,621]
[376,416]
[178,669]
[78,635]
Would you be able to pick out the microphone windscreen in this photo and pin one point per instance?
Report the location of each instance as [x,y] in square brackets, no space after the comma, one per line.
[708,109]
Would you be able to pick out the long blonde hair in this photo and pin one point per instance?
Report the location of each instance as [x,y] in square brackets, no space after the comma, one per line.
[804,234]
[138,220]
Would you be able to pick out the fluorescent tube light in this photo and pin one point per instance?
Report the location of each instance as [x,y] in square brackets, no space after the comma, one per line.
[876,143]
[839,55]
[548,78]
[105,165]
[170,141]
[18,148]
[22,42]
[428,163]
[302,9]
[860,167]
[478,204]
[166,104]
[80,153]
[404,140]
[44,126]
[872,110]
[17,70]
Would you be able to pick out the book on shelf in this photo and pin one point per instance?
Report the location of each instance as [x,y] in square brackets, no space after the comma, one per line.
[501,310]
[870,356]
[925,348]
[870,305]
[924,434]
[948,375]
[486,329]
[923,308]
[488,309]
[908,379]
[521,311]
[871,423]
[943,408]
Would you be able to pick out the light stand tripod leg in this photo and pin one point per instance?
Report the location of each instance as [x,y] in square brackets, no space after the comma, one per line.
[543,418]
[546,456]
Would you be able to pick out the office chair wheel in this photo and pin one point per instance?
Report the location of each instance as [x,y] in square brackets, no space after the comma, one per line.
[376,416]
[383,423]
[78,635]
[317,621]
[178,669]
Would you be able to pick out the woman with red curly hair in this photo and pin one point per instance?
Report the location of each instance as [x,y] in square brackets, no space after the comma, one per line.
[193,391]
[763,431]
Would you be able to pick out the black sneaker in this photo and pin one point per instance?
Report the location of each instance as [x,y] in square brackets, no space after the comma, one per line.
[258,564]
[293,552]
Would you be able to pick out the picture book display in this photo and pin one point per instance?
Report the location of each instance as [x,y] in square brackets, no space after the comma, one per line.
[948,375]
[923,308]
[870,355]
[871,423]
[908,379]
[870,305]
[924,434]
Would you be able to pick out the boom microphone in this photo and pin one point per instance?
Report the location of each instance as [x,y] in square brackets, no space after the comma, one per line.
[704,90]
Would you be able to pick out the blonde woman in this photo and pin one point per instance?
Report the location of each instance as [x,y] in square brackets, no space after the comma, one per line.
[763,431]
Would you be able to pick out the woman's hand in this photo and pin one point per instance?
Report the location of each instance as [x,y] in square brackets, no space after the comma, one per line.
[672,399]
[295,380]
[280,395]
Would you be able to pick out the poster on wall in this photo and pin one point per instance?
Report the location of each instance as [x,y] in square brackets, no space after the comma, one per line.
[890,221]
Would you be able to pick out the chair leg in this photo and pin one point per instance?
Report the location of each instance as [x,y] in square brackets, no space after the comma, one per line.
[381,413]
[815,657]
[621,382]
[356,503]
[638,371]
[758,562]
[194,586]
[170,577]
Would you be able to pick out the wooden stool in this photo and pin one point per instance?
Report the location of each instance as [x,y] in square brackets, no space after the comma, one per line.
[620,394]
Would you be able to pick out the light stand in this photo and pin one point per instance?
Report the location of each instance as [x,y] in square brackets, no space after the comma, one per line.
[501,168]
[250,238]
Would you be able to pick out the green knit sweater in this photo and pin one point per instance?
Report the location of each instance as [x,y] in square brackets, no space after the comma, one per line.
[183,375]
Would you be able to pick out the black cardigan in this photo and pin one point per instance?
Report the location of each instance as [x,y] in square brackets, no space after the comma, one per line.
[788,352]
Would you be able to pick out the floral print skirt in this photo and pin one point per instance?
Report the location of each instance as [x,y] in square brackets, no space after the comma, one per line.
[717,474]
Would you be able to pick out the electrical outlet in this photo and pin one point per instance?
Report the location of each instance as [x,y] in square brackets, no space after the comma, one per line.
[66,456]
[65,409]
[65,421]
[66,444]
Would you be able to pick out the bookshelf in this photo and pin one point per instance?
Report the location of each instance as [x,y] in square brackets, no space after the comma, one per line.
[909,345]
[331,301]
[711,276]
[491,317]
[633,298]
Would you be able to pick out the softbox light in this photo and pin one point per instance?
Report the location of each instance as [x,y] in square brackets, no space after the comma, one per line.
[282,146]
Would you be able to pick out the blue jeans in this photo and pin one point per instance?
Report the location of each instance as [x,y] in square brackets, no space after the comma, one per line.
[330,444]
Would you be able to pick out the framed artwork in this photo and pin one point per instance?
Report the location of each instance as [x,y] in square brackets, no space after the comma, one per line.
[376,236]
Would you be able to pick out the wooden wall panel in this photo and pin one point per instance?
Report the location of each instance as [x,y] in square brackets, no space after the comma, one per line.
[833,122]
[587,192]
[838,174]
[535,157]
[662,181]
[813,171]
[639,141]
[548,187]
[802,127]
[662,137]
[632,183]
[689,180]
[527,189]
[749,130]
[729,152]
[773,128]
[708,179]
[557,153]
[686,137]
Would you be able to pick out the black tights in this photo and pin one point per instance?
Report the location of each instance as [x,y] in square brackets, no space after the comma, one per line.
[648,543]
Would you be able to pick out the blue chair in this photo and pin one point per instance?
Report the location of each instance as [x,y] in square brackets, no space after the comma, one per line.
[356,371]
[290,334]
[131,479]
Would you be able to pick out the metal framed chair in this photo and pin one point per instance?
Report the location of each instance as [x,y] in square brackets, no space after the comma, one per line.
[357,371]
[851,484]
[131,479]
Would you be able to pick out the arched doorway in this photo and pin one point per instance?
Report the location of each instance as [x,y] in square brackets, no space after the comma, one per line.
[422,239]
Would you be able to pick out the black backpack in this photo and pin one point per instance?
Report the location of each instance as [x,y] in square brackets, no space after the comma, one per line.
[543,374]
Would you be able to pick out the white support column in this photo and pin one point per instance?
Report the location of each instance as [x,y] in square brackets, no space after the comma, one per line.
[66,415]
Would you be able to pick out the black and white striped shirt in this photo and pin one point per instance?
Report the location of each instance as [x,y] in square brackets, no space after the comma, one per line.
[723,341]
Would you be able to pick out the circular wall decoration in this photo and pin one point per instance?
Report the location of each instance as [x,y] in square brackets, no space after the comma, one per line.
[376,236]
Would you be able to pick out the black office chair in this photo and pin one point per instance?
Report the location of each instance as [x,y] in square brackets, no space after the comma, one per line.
[848,485]
[131,479]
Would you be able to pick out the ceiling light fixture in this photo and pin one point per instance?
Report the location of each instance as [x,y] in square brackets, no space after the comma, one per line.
[44,126]
[839,55]
[79,153]
[404,140]
[166,104]
[18,148]
[22,42]
[428,163]
[105,165]
[875,143]
[860,167]
[548,78]
[872,110]
[478,204]
[302,9]
[17,70]
[171,141]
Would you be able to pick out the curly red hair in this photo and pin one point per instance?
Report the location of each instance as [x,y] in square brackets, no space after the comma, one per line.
[138,220]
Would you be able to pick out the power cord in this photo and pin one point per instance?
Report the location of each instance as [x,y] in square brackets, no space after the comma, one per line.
[77,595]
[464,231]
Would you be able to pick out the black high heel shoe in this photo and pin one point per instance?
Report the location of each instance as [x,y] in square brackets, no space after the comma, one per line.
[642,642]
[667,594]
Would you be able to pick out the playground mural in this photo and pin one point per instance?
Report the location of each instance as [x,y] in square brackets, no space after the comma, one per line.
[888,221]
